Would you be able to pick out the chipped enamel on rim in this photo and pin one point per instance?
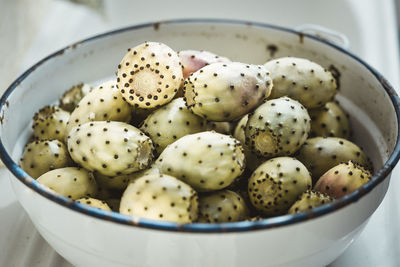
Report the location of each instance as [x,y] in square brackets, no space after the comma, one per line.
[273,222]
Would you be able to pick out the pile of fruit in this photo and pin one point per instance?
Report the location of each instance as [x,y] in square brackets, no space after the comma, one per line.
[194,137]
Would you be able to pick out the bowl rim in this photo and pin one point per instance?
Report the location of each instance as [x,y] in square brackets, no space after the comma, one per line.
[242,226]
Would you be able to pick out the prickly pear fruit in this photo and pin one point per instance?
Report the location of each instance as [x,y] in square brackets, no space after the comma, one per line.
[73,96]
[252,159]
[170,122]
[302,80]
[96,203]
[193,60]
[207,161]
[222,127]
[342,179]
[222,206]
[309,200]
[319,154]
[42,156]
[226,91]
[50,123]
[149,75]
[71,182]
[279,127]
[110,148]
[101,104]
[329,120]
[276,184]
[160,197]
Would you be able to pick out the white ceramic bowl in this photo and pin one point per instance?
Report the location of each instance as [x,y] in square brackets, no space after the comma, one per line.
[89,237]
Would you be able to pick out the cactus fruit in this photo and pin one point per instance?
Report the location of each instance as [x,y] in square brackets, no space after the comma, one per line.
[207,161]
[222,206]
[42,156]
[308,200]
[319,154]
[149,75]
[73,96]
[279,127]
[330,120]
[170,122]
[226,91]
[342,179]
[302,80]
[160,197]
[50,123]
[252,159]
[193,60]
[223,127]
[110,148]
[96,203]
[71,182]
[102,103]
[276,184]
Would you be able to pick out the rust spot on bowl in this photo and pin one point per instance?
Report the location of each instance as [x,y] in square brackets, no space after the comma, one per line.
[7,103]
[272,50]
[156,26]
[301,37]
[336,74]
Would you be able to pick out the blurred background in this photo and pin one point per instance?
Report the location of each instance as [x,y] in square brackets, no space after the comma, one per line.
[32,29]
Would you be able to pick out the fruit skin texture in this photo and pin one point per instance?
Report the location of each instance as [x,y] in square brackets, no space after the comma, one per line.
[160,197]
[276,184]
[101,104]
[207,161]
[342,179]
[222,206]
[170,122]
[110,148]
[279,127]
[227,91]
[302,80]
[71,182]
[193,60]
[50,123]
[96,203]
[42,156]
[308,200]
[319,154]
[73,96]
[252,159]
[149,75]
[330,121]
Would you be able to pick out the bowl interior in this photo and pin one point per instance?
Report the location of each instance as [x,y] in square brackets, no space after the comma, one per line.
[362,93]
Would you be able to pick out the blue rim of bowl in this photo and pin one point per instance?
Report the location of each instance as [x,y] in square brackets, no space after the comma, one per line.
[242,226]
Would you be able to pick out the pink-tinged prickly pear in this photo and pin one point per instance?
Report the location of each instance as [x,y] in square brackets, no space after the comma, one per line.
[227,91]
[342,179]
